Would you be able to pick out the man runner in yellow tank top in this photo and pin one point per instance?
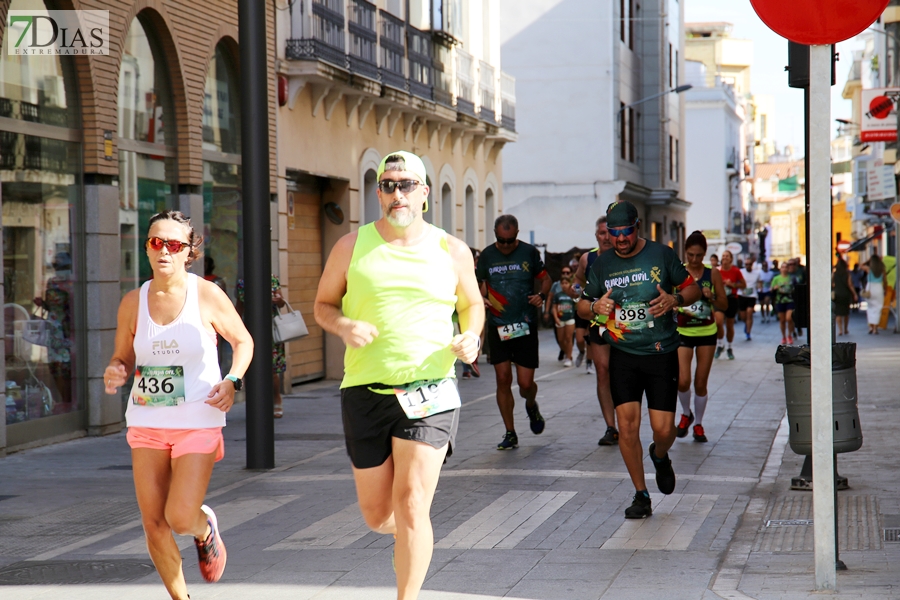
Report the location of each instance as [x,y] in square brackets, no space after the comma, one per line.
[389,290]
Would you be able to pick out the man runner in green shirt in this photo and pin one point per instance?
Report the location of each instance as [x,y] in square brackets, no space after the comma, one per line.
[389,290]
[509,271]
[636,287]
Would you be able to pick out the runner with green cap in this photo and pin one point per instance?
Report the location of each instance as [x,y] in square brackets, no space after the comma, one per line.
[389,291]
[636,287]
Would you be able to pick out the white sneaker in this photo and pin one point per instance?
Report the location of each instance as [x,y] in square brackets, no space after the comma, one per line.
[590,368]
[579,359]
[568,362]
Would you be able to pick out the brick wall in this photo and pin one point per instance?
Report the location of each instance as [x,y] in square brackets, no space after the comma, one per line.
[188,31]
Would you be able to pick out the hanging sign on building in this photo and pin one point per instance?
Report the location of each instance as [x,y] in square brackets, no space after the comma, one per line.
[880,182]
[878,122]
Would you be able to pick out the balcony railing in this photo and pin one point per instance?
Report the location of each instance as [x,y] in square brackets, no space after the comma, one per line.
[465,83]
[487,111]
[393,52]
[507,101]
[363,39]
[327,41]
[420,48]
[443,74]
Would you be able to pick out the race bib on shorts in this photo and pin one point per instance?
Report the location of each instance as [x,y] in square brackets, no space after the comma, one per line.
[158,386]
[634,316]
[424,398]
[511,332]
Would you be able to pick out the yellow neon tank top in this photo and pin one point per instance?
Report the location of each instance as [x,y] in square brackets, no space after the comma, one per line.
[409,294]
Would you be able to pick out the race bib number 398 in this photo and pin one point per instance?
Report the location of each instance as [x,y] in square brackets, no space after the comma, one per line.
[424,398]
[635,315]
[159,386]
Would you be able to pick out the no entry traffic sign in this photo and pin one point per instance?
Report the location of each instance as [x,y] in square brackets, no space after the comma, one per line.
[814,22]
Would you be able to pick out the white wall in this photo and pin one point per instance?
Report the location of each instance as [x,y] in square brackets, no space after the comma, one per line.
[712,128]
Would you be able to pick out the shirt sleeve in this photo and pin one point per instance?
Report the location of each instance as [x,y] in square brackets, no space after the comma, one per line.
[594,287]
[679,277]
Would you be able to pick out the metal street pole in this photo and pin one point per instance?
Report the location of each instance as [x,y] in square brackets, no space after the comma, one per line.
[819,153]
[257,235]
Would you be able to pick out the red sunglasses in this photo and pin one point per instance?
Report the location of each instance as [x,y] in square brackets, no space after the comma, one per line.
[173,246]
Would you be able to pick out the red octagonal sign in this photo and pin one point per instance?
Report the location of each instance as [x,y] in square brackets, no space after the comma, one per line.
[815,22]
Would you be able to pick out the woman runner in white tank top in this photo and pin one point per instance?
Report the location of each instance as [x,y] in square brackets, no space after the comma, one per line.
[166,338]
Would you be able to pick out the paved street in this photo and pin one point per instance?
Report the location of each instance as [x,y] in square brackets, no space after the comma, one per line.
[542,522]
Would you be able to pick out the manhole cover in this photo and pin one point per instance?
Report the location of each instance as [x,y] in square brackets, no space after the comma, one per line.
[307,437]
[70,572]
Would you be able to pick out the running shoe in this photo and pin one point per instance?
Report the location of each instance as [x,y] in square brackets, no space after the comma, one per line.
[211,555]
[641,507]
[665,475]
[536,421]
[568,362]
[466,375]
[510,441]
[683,425]
[474,368]
[562,355]
[730,354]
[590,368]
[784,341]
[748,337]
[610,438]
[790,340]
[699,434]
[718,352]
[579,359]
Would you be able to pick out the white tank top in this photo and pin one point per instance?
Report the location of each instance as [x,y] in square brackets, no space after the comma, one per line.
[176,367]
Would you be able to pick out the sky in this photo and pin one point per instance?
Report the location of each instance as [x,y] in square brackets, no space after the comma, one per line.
[769,59]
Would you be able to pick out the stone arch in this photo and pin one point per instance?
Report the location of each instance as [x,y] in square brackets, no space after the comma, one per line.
[368,164]
[188,134]
[471,203]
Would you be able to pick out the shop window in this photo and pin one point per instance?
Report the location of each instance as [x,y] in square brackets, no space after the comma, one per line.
[41,198]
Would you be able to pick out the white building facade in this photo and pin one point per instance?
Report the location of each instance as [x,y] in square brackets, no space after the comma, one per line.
[587,132]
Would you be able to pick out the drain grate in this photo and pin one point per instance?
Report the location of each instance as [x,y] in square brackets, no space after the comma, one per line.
[891,534]
[788,522]
[71,572]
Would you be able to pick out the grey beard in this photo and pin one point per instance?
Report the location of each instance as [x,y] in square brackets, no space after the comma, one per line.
[403,222]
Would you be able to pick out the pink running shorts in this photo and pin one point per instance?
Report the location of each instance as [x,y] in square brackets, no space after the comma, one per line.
[179,441]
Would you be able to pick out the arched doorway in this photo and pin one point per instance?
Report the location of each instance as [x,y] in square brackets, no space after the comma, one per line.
[447,208]
[370,193]
[471,211]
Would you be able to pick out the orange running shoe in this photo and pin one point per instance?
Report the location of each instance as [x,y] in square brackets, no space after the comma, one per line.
[211,551]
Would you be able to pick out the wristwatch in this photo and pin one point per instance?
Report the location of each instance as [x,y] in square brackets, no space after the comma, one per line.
[237,381]
[679,299]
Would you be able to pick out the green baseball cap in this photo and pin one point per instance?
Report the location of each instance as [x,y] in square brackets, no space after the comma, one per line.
[621,214]
[411,163]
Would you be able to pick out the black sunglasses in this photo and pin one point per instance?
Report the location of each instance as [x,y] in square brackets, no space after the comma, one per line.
[405,186]
[506,241]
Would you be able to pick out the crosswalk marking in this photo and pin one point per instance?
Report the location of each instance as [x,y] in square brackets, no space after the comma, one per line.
[229,515]
[336,531]
[506,521]
[675,521]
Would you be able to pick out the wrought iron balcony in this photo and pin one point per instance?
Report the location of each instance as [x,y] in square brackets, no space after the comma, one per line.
[507,101]
[465,83]
[363,56]
[393,52]
[421,56]
[327,41]
[487,111]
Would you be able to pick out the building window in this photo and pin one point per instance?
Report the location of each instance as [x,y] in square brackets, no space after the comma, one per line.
[631,19]
[671,158]
[630,135]
[41,195]
[146,160]
[670,65]
[675,66]
[622,20]
[677,161]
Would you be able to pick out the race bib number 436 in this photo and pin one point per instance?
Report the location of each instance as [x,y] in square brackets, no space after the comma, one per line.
[424,398]
[159,386]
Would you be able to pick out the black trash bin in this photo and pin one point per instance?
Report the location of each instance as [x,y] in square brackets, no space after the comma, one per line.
[847,430]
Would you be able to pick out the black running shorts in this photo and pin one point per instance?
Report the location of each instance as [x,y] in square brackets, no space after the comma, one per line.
[745,302]
[596,336]
[372,419]
[696,341]
[522,350]
[732,310]
[632,375]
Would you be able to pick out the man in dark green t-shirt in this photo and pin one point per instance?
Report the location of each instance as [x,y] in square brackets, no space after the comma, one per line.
[509,272]
[636,287]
